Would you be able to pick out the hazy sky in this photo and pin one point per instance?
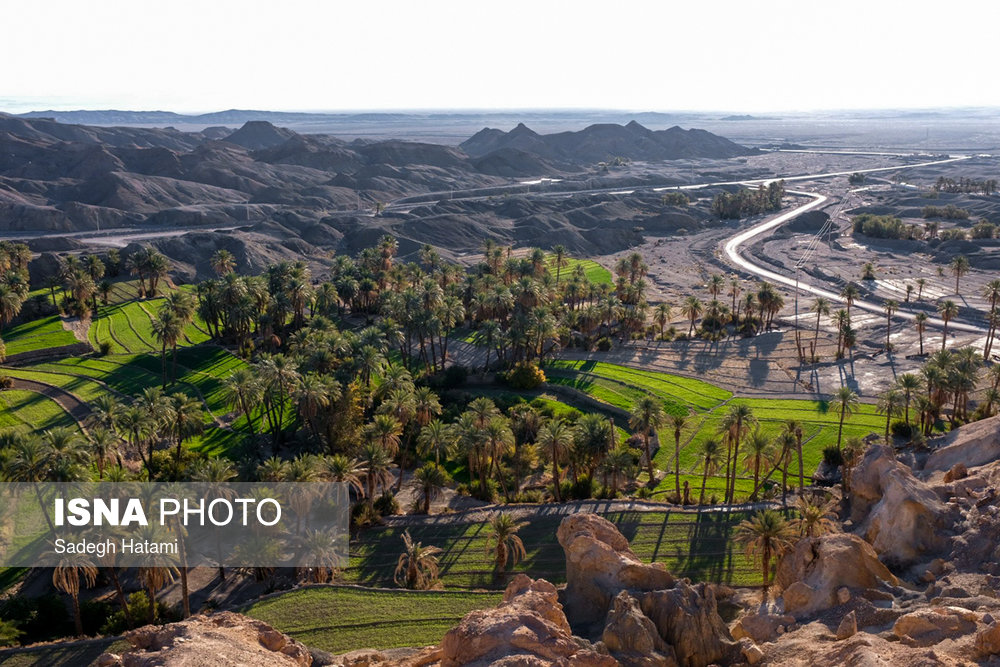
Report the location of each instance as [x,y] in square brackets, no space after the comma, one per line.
[209,55]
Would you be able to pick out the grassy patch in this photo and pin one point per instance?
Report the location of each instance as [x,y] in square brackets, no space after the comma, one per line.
[338,619]
[595,273]
[38,412]
[38,334]
[57,656]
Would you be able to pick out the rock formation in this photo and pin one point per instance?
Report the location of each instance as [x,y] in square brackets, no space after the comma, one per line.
[811,574]
[600,564]
[235,638]
[632,638]
[900,516]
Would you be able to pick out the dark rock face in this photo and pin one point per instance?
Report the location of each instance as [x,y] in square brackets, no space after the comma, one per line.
[688,619]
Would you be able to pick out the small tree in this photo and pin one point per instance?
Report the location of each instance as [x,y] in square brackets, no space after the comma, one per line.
[417,567]
[503,543]
[765,535]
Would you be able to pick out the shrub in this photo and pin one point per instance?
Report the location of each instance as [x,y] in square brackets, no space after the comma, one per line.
[363,516]
[984,229]
[856,178]
[901,429]
[138,609]
[833,457]
[952,235]
[8,633]
[644,493]
[6,382]
[675,199]
[104,348]
[454,376]
[524,376]
[949,212]
[584,488]
[604,344]
[386,504]
[488,493]
[532,496]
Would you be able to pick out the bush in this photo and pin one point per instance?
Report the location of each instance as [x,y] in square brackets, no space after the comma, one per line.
[104,348]
[856,178]
[8,633]
[984,230]
[524,376]
[95,614]
[386,504]
[604,344]
[949,212]
[363,516]
[454,376]
[531,496]
[38,619]
[6,382]
[833,457]
[584,489]
[138,609]
[901,429]
[488,494]
[952,235]
[883,227]
[675,199]
[644,493]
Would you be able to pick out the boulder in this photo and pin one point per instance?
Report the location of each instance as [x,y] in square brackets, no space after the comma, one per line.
[527,628]
[848,626]
[900,516]
[955,473]
[751,652]
[930,625]
[687,618]
[971,445]
[632,639]
[760,627]
[201,640]
[600,564]
[811,574]
[988,641]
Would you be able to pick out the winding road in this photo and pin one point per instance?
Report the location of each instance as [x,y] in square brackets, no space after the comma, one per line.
[734,245]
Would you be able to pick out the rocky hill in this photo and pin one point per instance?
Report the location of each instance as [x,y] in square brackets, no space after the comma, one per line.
[603,142]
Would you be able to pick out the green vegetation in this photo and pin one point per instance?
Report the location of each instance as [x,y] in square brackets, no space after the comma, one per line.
[338,620]
[884,227]
[39,334]
[949,212]
[594,272]
[745,202]
[33,410]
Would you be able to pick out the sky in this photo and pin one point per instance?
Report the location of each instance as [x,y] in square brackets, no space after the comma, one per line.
[209,55]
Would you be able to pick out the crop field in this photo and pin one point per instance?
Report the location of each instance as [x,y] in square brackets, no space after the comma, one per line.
[595,273]
[36,335]
[31,409]
[690,544]
[339,619]
[128,327]
[706,406]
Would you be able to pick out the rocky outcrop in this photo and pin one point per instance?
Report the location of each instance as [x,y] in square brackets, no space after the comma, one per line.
[811,574]
[988,641]
[600,564]
[929,626]
[204,640]
[761,627]
[972,445]
[632,639]
[900,516]
[527,628]
[687,618]
[848,626]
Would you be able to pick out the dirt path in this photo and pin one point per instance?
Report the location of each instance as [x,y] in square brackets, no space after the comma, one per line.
[76,408]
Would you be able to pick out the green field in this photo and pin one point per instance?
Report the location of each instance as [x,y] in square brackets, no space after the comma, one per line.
[690,544]
[30,409]
[595,273]
[707,404]
[36,335]
[58,656]
[340,619]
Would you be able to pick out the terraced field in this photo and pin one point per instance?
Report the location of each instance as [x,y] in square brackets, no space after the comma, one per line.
[128,327]
[690,544]
[595,273]
[31,409]
[339,619]
[36,335]
[707,404]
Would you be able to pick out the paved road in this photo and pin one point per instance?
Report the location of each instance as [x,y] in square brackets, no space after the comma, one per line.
[733,251]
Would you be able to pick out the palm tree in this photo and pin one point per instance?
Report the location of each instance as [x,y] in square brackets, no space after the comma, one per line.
[759,451]
[223,262]
[711,458]
[167,329]
[503,543]
[908,383]
[735,424]
[417,567]
[849,294]
[816,517]
[661,316]
[437,438]
[715,285]
[677,422]
[868,271]
[692,309]
[794,427]
[845,403]
[104,445]
[647,415]
[243,390]
[764,536]
[821,307]
[377,466]
[920,319]
[948,310]
[618,466]
[430,479]
[890,307]
[555,436]
[559,252]
[187,420]
[890,404]
[320,549]
[959,267]
[66,577]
